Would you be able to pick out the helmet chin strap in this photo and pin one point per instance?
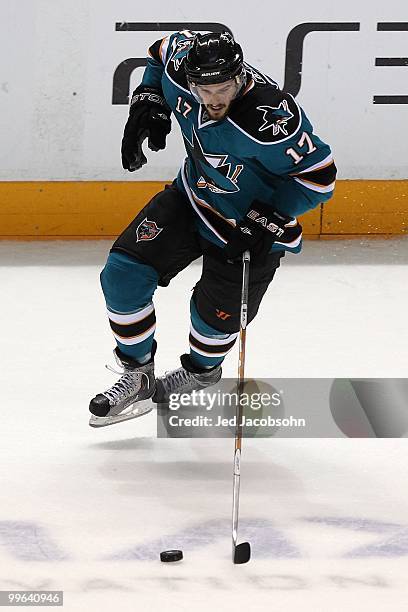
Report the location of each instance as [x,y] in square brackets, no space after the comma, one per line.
[242,76]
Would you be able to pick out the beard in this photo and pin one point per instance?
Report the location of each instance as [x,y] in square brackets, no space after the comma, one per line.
[217,112]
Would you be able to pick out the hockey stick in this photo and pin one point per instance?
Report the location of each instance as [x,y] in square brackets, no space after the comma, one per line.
[241,553]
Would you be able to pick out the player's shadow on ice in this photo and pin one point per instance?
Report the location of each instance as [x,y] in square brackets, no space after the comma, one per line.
[131,474]
[133,444]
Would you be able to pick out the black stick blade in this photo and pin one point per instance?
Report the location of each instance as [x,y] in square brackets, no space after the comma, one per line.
[242,553]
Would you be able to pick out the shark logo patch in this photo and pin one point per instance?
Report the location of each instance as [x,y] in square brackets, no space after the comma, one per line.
[214,172]
[147,230]
[276,117]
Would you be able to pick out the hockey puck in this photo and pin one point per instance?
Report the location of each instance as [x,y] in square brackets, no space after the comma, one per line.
[171,555]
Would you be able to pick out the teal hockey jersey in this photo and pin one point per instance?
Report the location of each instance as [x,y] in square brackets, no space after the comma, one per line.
[264,149]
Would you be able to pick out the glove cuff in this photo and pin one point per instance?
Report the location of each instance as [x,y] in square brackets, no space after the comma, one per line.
[264,216]
[148,95]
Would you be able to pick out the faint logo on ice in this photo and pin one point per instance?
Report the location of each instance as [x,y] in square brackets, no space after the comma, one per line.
[32,542]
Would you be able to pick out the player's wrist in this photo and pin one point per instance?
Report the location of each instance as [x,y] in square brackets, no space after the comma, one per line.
[148,96]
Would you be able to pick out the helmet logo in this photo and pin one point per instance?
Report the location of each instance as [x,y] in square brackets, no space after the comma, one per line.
[214,73]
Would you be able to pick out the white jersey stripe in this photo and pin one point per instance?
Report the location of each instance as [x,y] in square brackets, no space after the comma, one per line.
[292,244]
[314,187]
[132,317]
[200,352]
[136,339]
[194,205]
[213,341]
[163,49]
[325,162]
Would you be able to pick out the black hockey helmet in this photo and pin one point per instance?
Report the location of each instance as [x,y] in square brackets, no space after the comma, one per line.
[213,58]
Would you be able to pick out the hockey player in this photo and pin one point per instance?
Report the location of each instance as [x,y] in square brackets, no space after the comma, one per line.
[253,165]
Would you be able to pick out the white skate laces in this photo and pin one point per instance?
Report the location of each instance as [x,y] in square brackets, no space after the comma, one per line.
[128,398]
[128,385]
[183,380]
[173,381]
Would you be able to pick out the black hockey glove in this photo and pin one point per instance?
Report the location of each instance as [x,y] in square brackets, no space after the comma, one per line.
[149,117]
[258,230]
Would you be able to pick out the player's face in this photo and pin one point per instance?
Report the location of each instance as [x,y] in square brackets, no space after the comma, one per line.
[217,98]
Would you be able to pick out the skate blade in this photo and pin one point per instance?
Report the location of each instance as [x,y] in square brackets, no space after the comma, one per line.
[143,408]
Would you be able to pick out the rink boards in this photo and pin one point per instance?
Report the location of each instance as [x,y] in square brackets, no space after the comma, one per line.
[96,209]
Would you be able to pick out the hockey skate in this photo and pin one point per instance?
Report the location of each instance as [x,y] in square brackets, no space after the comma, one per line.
[186,379]
[129,398]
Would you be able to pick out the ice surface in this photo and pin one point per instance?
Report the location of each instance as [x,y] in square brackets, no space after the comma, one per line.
[88,511]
